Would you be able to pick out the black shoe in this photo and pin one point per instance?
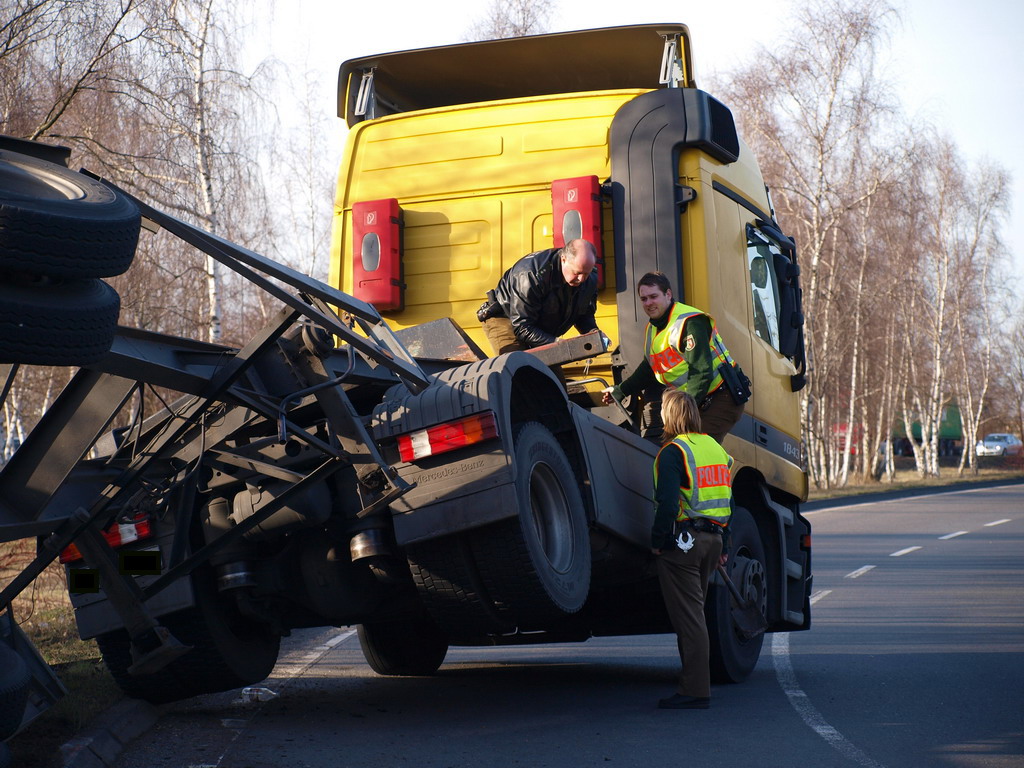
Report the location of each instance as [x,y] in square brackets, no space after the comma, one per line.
[678,701]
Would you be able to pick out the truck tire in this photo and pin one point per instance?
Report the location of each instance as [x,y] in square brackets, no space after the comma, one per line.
[411,647]
[58,223]
[451,589]
[56,322]
[228,650]
[734,657]
[14,683]
[536,566]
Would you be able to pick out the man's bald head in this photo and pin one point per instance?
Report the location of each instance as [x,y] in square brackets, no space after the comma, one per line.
[578,259]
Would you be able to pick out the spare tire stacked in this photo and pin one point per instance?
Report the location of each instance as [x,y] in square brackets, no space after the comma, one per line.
[60,232]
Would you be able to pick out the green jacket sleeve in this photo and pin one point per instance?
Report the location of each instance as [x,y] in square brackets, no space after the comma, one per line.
[698,356]
[671,477]
[639,380]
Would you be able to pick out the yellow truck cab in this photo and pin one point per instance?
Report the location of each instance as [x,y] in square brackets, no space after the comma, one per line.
[462,159]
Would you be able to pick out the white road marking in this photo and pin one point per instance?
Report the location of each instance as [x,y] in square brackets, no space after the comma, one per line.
[338,638]
[842,506]
[903,552]
[784,666]
[807,711]
[859,572]
[286,670]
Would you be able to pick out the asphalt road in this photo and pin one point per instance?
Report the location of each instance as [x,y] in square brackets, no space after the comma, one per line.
[915,658]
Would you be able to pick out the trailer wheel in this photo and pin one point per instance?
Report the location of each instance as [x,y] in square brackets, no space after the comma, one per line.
[412,647]
[228,650]
[56,322]
[734,657]
[14,683]
[536,567]
[58,223]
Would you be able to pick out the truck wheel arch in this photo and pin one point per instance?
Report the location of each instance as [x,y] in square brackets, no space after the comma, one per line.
[538,397]
[537,435]
[752,493]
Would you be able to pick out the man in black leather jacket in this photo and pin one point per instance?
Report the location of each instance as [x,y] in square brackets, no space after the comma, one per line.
[542,296]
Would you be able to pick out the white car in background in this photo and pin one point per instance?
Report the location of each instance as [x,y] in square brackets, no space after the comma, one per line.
[999,444]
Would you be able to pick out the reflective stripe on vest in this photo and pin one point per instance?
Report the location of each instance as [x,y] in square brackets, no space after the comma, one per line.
[707,468]
[663,349]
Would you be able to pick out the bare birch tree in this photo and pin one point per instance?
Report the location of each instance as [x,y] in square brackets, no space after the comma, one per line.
[55,52]
[811,104]
[147,93]
[1014,371]
[958,247]
[203,109]
[308,182]
[512,18]
[55,56]
[868,295]
[888,362]
[980,295]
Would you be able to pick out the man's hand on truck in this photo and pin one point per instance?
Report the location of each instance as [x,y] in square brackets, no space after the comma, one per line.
[610,394]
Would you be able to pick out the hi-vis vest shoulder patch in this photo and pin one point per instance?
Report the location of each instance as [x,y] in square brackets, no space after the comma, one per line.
[663,349]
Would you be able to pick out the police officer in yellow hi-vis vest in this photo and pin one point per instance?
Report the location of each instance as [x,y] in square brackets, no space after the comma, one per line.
[692,495]
[684,351]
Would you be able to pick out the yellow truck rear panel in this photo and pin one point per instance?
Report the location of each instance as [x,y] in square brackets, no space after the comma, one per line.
[475,188]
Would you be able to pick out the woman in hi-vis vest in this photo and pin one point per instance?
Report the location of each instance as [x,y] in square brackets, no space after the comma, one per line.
[692,495]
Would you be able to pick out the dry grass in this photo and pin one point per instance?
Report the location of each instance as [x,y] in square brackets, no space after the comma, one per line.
[907,478]
[44,595]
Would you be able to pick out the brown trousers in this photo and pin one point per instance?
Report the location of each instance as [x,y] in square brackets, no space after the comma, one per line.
[684,578]
[717,419]
[498,331]
[720,415]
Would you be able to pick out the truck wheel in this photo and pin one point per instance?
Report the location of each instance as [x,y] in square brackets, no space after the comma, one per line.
[228,650]
[451,589]
[414,646]
[734,657]
[14,683]
[536,567]
[56,322]
[58,223]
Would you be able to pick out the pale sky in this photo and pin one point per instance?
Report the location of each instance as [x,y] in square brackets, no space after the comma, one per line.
[960,65]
